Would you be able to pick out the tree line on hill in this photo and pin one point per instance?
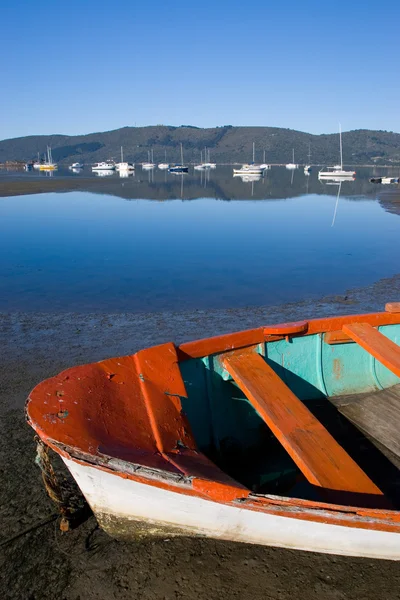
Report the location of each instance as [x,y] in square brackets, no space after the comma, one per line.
[227,144]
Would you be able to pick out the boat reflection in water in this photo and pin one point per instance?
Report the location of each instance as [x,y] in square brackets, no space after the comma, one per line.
[125,174]
[104,172]
[247,178]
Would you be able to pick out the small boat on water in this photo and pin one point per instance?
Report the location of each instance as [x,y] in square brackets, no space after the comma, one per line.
[76,166]
[250,169]
[385,180]
[164,166]
[123,165]
[103,166]
[337,172]
[265,165]
[179,167]
[48,164]
[150,164]
[284,435]
[256,170]
[292,165]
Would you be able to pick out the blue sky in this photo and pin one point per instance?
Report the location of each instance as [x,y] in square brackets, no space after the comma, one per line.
[82,66]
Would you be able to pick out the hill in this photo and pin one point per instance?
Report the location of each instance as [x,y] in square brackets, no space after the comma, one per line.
[227,144]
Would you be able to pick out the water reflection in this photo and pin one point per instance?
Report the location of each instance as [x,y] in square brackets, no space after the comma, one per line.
[276,183]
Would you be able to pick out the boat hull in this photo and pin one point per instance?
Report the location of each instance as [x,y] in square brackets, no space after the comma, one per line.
[139,435]
[128,509]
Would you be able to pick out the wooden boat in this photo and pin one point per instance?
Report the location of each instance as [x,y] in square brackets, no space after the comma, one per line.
[284,435]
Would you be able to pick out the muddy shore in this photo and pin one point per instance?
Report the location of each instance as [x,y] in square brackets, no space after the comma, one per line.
[86,564]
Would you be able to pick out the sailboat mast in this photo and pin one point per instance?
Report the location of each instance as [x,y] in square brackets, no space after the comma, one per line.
[181,154]
[254,151]
[122,155]
[341,149]
[293,154]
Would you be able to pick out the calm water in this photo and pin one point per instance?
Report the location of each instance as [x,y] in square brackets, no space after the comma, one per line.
[115,248]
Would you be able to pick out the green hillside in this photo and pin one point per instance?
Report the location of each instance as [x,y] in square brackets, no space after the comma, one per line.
[227,144]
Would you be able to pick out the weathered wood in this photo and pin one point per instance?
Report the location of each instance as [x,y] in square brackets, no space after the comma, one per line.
[323,462]
[377,344]
[392,307]
[377,415]
[337,337]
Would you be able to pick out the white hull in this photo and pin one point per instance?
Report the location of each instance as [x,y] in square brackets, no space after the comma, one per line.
[249,170]
[104,172]
[163,166]
[336,174]
[124,167]
[103,167]
[292,166]
[127,508]
[247,178]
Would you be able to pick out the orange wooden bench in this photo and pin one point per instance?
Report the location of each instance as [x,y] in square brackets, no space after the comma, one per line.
[317,454]
[377,344]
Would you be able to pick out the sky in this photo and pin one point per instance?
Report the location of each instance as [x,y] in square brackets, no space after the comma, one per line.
[82,66]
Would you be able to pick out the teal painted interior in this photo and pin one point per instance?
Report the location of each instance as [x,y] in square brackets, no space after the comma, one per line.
[229,430]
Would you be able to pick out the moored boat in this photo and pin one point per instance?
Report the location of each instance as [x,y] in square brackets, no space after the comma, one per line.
[249,170]
[337,172]
[103,166]
[124,166]
[179,167]
[48,164]
[284,435]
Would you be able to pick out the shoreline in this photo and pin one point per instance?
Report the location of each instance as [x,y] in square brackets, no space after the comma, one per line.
[46,564]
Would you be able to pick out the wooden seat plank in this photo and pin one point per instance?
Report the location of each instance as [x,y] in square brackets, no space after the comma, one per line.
[377,344]
[317,454]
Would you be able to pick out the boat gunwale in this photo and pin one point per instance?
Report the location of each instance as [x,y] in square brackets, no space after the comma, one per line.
[248,337]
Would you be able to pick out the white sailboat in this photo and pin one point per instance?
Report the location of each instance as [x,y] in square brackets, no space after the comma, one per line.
[124,166]
[207,162]
[292,165]
[150,163]
[164,166]
[337,172]
[307,167]
[264,165]
[250,169]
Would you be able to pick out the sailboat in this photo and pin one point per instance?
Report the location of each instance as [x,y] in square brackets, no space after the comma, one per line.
[180,167]
[207,163]
[307,168]
[164,166]
[336,172]
[292,165]
[48,165]
[265,166]
[201,166]
[150,164]
[124,166]
[250,169]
